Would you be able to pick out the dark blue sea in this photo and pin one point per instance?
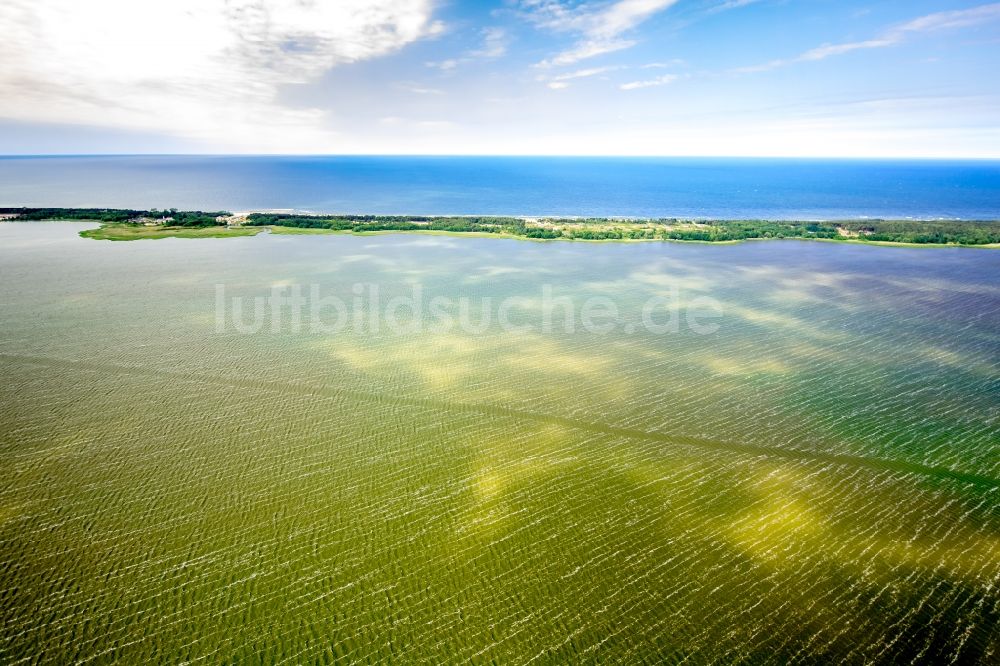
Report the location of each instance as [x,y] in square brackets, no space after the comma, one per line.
[647,187]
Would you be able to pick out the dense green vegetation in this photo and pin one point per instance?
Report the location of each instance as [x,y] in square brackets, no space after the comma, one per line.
[734,230]
[591,229]
[175,218]
[907,231]
[362,223]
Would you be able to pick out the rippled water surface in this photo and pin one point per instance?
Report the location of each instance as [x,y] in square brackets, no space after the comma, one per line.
[818,479]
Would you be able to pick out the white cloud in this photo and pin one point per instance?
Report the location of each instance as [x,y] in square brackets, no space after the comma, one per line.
[561,81]
[625,14]
[584,73]
[599,26]
[435,124]
[731,4]
[444,65]
[418,89]
[587,49]
[410,123]
[959,18]
[663,65]
[210,70]
[495,42]
[649,83]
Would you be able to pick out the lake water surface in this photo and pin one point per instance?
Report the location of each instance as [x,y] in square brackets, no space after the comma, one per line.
[817,479]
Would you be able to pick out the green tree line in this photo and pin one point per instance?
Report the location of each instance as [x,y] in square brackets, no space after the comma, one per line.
[897,231]
[179,218]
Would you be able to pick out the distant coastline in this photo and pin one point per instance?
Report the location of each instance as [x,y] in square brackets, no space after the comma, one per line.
[132,224]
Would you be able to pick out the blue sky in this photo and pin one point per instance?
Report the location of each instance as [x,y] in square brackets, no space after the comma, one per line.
[632,77]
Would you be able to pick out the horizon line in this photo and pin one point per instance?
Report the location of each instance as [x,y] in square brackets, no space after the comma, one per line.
[913,158]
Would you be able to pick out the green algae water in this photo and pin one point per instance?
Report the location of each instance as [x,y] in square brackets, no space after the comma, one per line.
[816,477]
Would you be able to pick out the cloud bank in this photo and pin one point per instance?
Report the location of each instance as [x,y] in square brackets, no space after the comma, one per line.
[208,70]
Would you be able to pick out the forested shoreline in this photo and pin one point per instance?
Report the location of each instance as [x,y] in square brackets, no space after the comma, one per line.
[919,232]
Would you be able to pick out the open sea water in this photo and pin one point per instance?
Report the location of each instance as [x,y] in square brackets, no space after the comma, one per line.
[571,186]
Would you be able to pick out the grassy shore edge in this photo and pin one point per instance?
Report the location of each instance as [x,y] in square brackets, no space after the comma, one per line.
[127,232]
[299,231]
